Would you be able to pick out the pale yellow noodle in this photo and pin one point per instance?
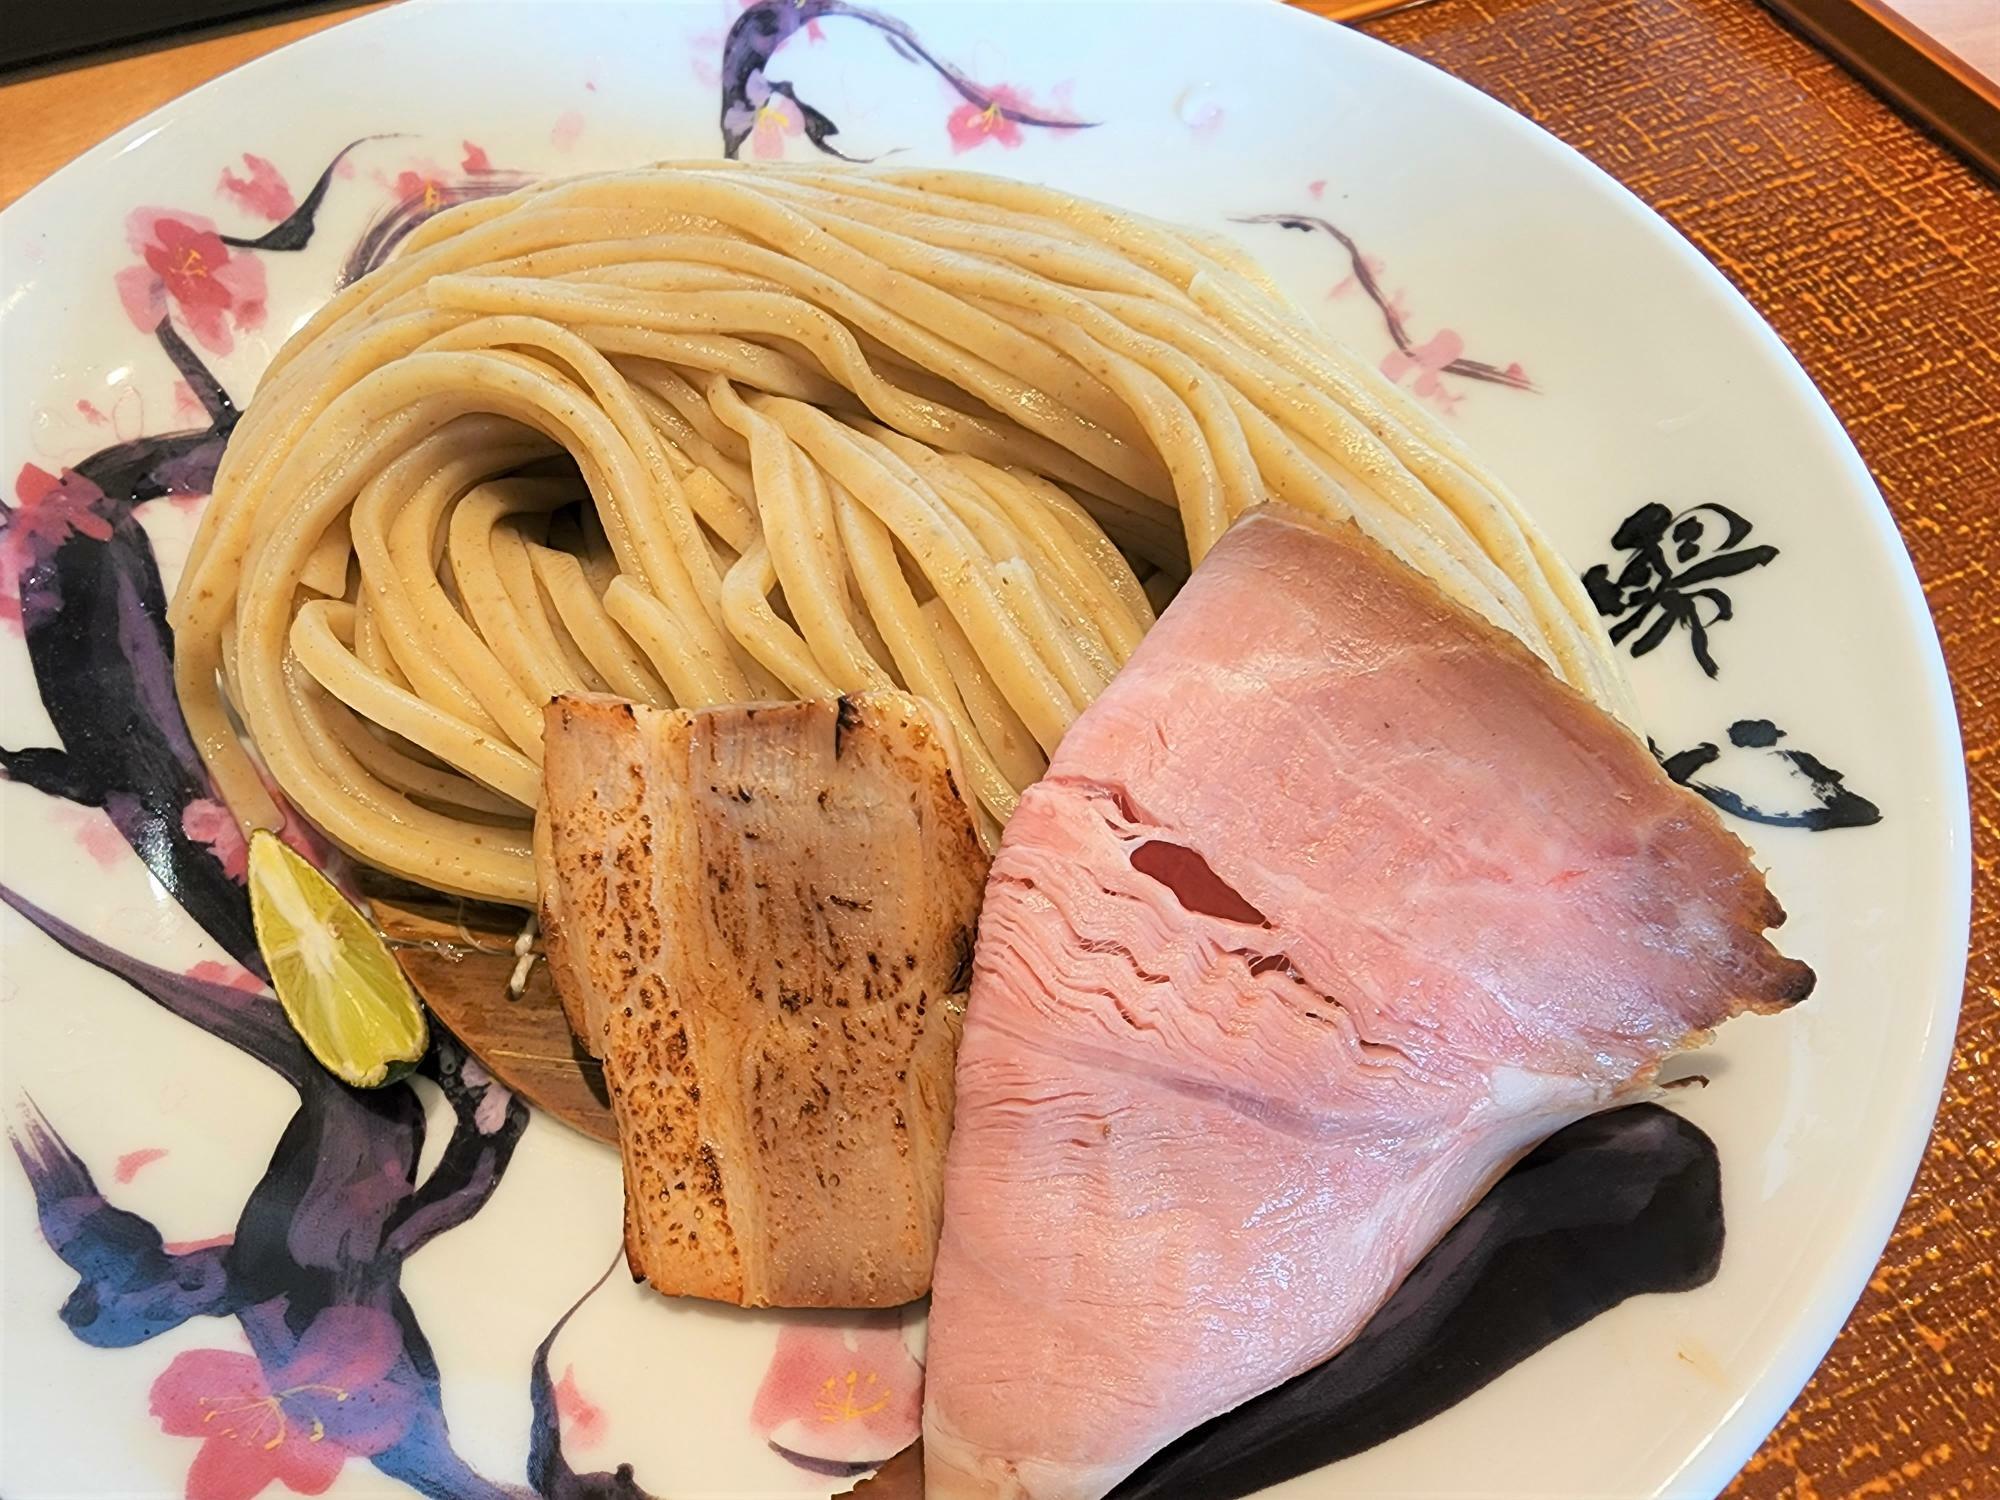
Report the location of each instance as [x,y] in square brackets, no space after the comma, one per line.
[704,433]
[535,610]
[596,634]
[1000,728]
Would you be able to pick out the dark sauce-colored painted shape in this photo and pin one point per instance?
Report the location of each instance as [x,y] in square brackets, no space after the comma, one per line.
[1616,1205]
[1834,803]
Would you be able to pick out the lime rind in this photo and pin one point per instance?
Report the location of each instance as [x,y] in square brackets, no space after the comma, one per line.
[339,985]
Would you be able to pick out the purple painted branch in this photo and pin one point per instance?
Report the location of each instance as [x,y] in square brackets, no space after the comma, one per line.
[296,231]
[548,1470]
[1471,369]
[391,227]
[129,1286]
[93,611]
[252,1023]
[763,28]
[905,41]
[487,1121]
[207,389]
[314,1266]
[173,463]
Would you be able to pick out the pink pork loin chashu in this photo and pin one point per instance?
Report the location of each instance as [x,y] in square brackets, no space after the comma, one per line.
[1335,903]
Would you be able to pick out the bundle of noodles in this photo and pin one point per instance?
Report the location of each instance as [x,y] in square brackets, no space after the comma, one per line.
[701,433]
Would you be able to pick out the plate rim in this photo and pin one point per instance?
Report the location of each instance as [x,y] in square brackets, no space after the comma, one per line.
[1796,1354]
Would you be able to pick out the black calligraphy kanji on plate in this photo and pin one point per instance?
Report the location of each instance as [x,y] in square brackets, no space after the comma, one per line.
[1675,559]
[1831,803]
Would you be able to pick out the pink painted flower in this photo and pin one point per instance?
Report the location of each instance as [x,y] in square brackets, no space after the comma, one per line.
[423,184]
[490,1113]
[331,1400]
[1427,362]
[188,1247]
[1350,281]
[1202,115]
[703,48]
[186,268]
[476,159]
[231,976]
[132,1163]
[777,118]
[583,1420]
[567,130]
[51,506]
[48,510]
[840,1397]
[92,831]
[79,414]
[262,190]
[99,837]
[207,822]
[972,125]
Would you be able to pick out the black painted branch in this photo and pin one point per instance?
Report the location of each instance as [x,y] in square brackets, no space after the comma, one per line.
[905,41]
[548,1470]
[173,463]
[1470,369]
[207,389]
[296,231]
[474,1158]
[54,773]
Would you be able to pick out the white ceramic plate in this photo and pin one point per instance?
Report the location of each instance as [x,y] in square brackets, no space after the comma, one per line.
[1651,384]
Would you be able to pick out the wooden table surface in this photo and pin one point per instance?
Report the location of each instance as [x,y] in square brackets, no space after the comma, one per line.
[1876,255]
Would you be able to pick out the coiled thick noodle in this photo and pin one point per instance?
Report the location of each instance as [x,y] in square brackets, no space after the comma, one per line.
[702,433]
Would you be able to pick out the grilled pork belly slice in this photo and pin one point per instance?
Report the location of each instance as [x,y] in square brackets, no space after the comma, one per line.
[761,918]
[1334,904]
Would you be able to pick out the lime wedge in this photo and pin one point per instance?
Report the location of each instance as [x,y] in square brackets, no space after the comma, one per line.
[340,988]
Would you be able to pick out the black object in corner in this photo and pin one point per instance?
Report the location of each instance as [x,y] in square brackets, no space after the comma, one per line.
[44,31]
